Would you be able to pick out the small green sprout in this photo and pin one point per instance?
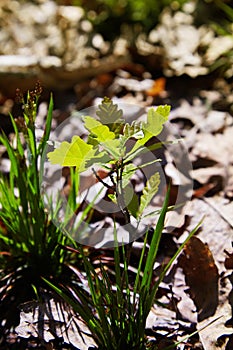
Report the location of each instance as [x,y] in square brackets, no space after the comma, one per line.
[108,146]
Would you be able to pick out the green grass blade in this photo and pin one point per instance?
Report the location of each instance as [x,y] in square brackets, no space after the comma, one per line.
[174,346]
[163,273]
[148,271]
[96,286]
[72,198]
[11,154]
[19,143]
[85,313]
[47,130]
[139,269]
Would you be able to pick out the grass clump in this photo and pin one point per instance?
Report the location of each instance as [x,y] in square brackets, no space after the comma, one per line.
[30,244]
[114,308]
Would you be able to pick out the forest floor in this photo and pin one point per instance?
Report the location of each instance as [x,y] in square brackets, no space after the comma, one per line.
[198,290]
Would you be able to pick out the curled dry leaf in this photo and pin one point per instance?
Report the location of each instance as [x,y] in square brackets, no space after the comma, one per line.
[229,260]
[201,275]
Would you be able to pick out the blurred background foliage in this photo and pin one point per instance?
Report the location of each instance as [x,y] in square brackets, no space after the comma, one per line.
[111,17]
[108,15]
[169,37]
[219,15]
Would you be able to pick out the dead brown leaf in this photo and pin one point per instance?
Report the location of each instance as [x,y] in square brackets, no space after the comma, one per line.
[229,260]
[201,276]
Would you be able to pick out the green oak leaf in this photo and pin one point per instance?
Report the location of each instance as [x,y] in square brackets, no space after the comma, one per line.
[151,188]
[113,147]
[152,127]
[133,130]
[101,132]
[76,153]
[155,119]
[109,113]
[129,170]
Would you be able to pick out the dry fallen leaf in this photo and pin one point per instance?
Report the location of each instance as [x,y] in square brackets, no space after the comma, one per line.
[157,88]
[217,147]
[217,232]
[229,260]
[49,320]
[201,275]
